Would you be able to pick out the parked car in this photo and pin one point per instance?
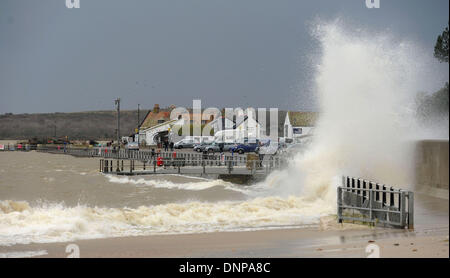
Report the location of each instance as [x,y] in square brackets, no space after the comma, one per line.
[132,146]
[201,147]
[268,148]
[245,148]
[184,144]
[215,147]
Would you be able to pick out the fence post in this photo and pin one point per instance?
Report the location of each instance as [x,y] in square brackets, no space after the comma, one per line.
[402,204]
[339,204]
[410,210]
[371,204]
[392,197]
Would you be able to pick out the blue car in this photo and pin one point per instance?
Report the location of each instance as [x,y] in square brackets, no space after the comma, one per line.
[245,148]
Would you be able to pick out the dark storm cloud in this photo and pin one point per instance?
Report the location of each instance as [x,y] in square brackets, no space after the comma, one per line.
[227,53]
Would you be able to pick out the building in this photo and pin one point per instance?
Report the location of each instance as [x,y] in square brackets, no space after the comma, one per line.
[298,124]
[157,126]
[154,128]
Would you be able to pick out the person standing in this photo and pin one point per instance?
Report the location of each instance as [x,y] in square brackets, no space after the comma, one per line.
[171,146]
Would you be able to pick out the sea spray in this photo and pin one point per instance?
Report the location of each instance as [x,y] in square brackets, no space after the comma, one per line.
[366,85]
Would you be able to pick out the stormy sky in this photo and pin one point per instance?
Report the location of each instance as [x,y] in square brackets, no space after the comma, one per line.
[228,53]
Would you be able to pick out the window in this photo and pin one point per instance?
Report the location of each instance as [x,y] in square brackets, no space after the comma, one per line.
[297,130]
[160,121]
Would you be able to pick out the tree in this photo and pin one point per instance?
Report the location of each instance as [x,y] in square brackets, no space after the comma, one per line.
[441,47]
[435,106]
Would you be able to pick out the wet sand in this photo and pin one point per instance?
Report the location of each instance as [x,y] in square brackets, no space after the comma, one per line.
[302,243]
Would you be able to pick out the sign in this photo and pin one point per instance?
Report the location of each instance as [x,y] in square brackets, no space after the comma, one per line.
[2,147]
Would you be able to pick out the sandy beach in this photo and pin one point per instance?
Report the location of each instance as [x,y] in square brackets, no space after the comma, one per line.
[299,243]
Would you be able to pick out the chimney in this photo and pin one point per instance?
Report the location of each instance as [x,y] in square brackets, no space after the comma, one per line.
[156,109]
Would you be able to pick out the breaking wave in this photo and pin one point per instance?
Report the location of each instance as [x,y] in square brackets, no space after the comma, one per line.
[21,223]
[200,184]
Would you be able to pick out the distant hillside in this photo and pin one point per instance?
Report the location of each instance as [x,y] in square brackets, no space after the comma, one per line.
[97,125]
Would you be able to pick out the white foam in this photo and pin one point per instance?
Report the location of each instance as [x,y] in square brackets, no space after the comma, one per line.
[23,254]
[21,223]
[160,183]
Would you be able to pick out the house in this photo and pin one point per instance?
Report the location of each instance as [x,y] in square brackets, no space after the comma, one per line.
[158,127]
[298,124]
[154,128]
[221,123]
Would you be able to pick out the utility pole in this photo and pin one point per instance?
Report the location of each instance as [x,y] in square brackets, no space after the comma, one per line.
[139,120]
[117,102]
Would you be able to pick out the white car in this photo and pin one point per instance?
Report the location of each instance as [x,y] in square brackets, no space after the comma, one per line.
[132,146]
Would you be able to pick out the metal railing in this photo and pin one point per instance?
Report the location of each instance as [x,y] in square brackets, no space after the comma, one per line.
[183,166]
[16,147]
[143,155]
[374,203]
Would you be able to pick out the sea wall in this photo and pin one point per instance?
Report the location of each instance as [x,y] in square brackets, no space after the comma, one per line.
[432,172]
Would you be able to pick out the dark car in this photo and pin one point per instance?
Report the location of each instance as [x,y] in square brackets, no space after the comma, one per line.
[215,147]
[245,148]
[201,147]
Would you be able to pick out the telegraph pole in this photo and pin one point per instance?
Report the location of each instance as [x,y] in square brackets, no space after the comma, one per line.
[139,120]
[117,102]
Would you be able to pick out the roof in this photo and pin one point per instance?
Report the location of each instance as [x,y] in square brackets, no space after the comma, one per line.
[152,118]
[159,125]
[222,119]
[298,118]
